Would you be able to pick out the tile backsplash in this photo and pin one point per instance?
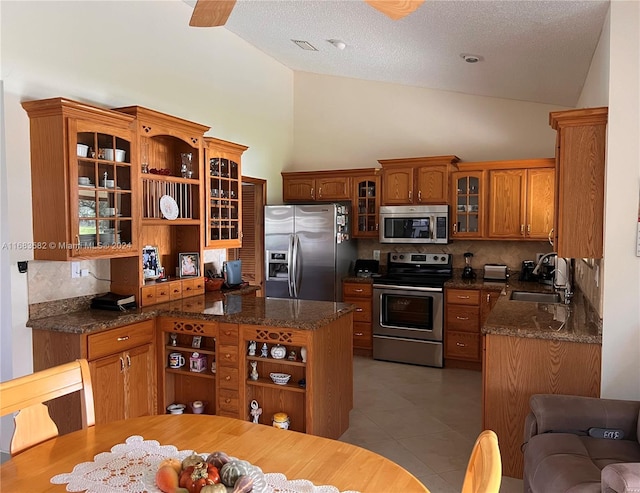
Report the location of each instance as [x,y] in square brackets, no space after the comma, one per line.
[510,253]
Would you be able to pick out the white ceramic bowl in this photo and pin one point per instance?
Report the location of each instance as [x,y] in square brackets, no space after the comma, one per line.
[120,155]
[176,408]
[82,150]
[84,180]
[280,378]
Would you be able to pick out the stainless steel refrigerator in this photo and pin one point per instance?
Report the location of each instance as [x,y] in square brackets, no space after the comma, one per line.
[308,250]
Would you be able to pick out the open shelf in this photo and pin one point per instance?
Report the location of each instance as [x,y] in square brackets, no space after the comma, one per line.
[266,382]
[284,361]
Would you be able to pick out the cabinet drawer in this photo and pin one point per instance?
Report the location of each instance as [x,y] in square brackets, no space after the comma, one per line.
[228,355]
[175,290]
[229,414]
[115,340]
[192,287]
[163,293]
[362,335]
[228,378]
[357,290]
[148,295]
[466,318]
[363,309]
[462,345]
[228,400]
[228,334]
[463,296]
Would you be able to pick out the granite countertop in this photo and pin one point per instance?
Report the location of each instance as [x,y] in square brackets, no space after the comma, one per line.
[231,307]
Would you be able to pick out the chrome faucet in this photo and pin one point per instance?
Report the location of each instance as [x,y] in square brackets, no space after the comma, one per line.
[536,269]
[566,283]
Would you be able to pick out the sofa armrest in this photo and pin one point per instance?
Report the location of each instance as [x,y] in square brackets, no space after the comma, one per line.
[621,478]
[571,413]
[530,426]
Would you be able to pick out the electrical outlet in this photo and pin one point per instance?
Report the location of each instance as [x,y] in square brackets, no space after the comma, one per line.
[75,270]
[376,255]
[84,272]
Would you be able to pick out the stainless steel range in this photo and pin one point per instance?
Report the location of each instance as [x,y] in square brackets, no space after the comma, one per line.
[408,308]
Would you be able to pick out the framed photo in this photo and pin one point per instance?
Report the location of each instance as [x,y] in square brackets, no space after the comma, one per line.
[195,343]
[151,262]
[189,264]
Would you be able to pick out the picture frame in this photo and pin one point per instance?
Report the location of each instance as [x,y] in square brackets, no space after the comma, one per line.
[195,342]
[189,264]
[151,262]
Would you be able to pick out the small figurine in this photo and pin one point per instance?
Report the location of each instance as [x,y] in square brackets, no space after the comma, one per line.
[292,355]
[256,411]
[252,348]
[213,367]
[264,350]
[173,339]
[303,354]
[254,371]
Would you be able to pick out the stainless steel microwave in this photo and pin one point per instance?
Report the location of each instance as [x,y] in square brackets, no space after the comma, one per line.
[414,224]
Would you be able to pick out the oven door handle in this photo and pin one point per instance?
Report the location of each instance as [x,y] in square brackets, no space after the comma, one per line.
[408,288]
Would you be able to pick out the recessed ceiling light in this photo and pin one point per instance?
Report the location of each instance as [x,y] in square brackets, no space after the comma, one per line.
[471,58]
[305,45]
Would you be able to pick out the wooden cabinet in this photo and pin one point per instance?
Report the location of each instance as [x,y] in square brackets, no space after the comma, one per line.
[229,371]
[360,295]
[421,180]
[462,327]
[366,205]
[223,193]
[161,292]
[320,186]
[488,299]
[187,384]
[468,206]
[521,203]
[123,371]
[515,368]
[319,407]
[580,167]
[171,194]
[84,173]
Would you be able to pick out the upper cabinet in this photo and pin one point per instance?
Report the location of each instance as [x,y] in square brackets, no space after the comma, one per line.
[468,208]
[421,180]
[521,200]
[320,186]
[366,204]
[84,173]
[223,195]
[580,166]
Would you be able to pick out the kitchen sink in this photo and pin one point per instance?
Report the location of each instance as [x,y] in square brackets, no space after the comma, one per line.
[536,297]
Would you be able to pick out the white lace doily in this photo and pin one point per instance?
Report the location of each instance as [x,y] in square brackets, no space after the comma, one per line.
[130,468]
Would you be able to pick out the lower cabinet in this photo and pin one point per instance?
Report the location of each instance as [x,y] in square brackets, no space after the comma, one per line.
[360,295]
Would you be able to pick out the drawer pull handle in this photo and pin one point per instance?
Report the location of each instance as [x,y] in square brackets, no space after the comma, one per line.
[459,344]
[462,318]
[488,298]
[358,290]
[359,334]
[227,400]
[121,364]
[125,338]
[228,356]
[128,361]
[463,297]
[227,378]
[359,309]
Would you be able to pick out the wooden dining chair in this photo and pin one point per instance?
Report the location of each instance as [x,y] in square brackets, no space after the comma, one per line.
[484,471]
[27,396]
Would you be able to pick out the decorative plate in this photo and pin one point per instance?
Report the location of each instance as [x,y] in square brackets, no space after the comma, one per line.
[169,207]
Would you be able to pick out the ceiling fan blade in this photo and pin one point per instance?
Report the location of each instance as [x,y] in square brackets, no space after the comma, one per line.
[395,9]
[211,13]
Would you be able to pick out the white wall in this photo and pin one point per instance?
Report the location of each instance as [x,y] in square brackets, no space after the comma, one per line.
[127,53]
[621,297]
[349,123]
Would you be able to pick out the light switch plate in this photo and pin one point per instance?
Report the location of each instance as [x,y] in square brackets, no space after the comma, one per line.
[376,255]
[75,270]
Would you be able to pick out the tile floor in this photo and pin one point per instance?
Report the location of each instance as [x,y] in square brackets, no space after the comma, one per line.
[425,419]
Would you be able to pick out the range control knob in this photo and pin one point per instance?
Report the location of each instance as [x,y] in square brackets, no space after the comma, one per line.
[395,257]
[444,259]
[401,257]
[435,257]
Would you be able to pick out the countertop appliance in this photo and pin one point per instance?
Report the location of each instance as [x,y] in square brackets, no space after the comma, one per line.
[526,272]
[366,267]
[414,224]
[496,272]
[467,272]
[232,273]
[408,308]
[308,251]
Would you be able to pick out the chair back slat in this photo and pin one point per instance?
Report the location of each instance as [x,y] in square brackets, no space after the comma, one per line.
[27,395]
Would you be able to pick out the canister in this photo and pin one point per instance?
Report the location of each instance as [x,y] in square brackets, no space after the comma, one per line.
[281,420]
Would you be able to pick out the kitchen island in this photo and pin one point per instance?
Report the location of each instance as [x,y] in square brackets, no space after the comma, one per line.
[535,348]
[129,354]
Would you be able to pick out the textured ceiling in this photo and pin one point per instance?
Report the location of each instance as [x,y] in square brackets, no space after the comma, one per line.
[536,51]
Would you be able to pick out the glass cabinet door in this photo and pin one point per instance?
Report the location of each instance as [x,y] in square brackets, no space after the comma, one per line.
[468,204]
[224,200]
[104,219]
[366,207]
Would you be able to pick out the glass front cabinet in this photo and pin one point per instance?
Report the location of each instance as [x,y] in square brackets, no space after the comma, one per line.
[366,204]
[83,174]
[223,194]
[467,206]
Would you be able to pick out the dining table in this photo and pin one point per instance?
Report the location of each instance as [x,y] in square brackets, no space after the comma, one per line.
[122,456]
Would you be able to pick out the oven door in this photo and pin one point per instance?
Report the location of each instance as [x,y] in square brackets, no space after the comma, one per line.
[408,312]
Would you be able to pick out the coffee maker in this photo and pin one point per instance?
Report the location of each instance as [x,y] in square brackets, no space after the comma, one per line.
[467,272]
[526,272]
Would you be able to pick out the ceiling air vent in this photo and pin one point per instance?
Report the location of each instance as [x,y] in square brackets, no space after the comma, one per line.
[305,45]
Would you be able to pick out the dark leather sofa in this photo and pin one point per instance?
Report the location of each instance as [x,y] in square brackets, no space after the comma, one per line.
[560,456]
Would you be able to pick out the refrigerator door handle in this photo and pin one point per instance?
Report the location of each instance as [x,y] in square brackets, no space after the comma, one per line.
[290,267]
[296,245]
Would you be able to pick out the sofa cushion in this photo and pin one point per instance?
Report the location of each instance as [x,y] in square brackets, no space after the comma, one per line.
[621,478]
[604,452]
